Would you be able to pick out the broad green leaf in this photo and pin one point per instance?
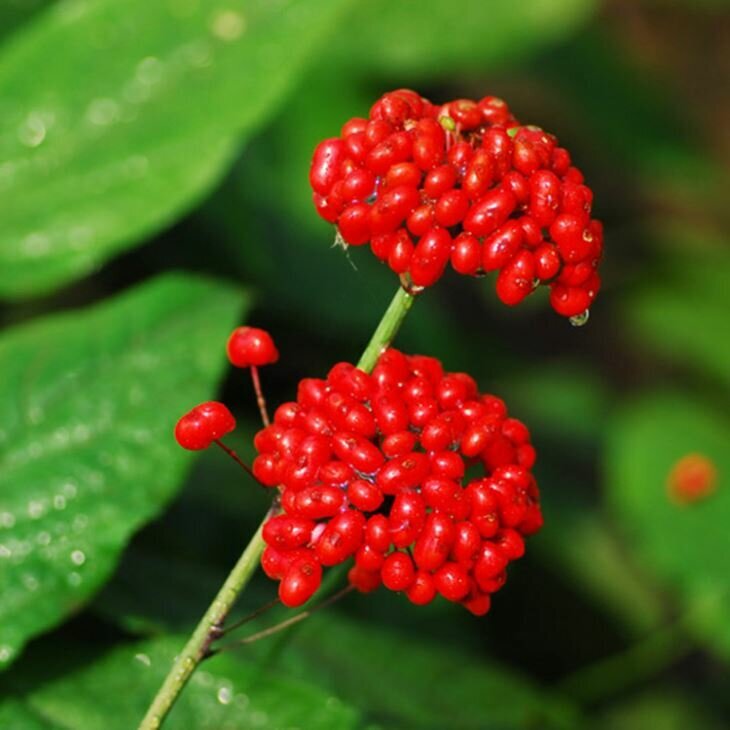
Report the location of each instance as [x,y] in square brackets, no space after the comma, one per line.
[660,710]
[410,683]
[17,715]
[16,13]
[88,401]
[682,311]
[427,38]
[135,120]
[684,546]
[390,677]
[226,693]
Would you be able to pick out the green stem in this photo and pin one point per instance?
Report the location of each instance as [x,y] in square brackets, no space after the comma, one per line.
[210,626]
[387,329]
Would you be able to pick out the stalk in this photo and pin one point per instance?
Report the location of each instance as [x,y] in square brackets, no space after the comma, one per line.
[210,626]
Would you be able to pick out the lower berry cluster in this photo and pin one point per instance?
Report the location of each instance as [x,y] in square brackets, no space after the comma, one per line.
[412,472]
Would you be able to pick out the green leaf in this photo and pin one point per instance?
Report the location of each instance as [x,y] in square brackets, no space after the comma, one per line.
[660,710]
[682,311]
[226,693]
[16,715]
[564,399]
[591,554]
[135,123]
[15,13]
[685,546]
[396,679]
[354,661]
[427,38]
[87,404]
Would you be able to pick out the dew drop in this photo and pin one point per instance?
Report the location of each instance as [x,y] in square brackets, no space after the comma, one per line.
[34,245]
[59,501]
[225,695]
[102,112]
[78,557]
[30,582]
[143,659]
[32,130]
[35,509]
[228,25]
[578,320]
[149,70]
[5,653]
[7,519]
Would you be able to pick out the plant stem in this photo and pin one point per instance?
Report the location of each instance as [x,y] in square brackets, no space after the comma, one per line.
[260,400]
[206,631]
[387,329]
[210,626]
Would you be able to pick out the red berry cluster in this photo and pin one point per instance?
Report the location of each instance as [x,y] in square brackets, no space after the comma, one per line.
[380,468]
[465,183]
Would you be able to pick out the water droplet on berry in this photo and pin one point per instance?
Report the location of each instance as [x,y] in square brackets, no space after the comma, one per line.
[578,320]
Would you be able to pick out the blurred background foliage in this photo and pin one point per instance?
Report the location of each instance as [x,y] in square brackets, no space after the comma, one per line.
[153,192]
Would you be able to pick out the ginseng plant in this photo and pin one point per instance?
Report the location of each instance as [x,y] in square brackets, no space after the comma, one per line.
[368,465]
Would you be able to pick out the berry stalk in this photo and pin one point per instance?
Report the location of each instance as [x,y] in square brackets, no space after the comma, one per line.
[211,625]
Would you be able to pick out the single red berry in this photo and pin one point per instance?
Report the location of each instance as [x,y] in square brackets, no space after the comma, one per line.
[204,424]
[300,582]
[398,572]
[249,346]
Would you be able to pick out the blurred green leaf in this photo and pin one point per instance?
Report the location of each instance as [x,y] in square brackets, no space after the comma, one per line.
[682,310]
[15,13]
[684,545]
[87,405]
[579,541]
[354,661]
[135,124]
[660,711]
[624,114]
[396,680]
[227,693]
[565,399]
[16,715]
[417,38]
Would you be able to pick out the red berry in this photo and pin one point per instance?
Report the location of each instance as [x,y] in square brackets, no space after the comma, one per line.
[300,582]
[249,346]
[204,424]
[398,572]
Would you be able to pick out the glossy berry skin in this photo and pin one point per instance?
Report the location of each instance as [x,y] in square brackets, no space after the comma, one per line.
[205,423]
[373,469]
[462,183]
[251,346]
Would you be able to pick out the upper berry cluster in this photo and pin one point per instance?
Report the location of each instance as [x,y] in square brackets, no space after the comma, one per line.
[410,470]
[463,182]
